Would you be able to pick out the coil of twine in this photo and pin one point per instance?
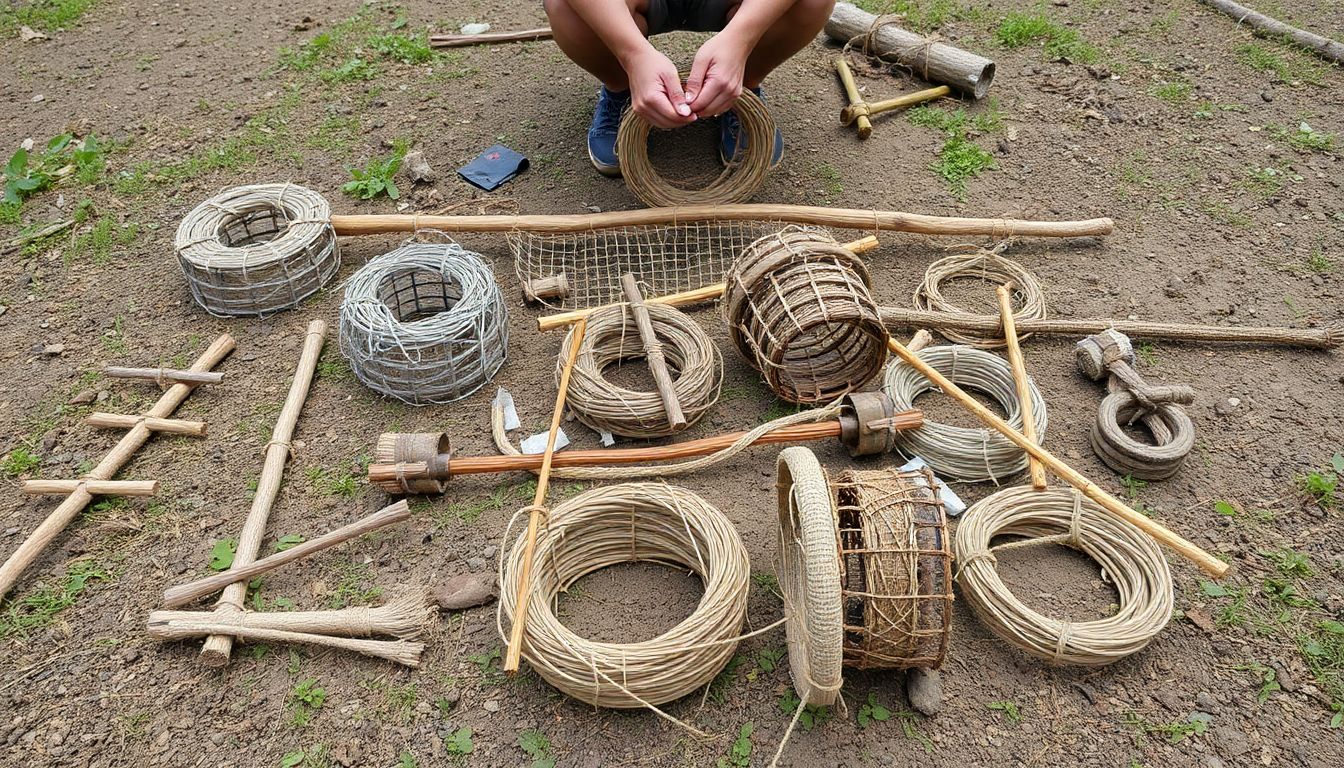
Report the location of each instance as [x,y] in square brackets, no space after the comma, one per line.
[1128,557]
[612,337]
[967,454]
[986,265]
[632,522]
[425,323]
[255,250]
[741,179]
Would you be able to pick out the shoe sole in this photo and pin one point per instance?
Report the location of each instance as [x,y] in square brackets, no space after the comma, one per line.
[610,171]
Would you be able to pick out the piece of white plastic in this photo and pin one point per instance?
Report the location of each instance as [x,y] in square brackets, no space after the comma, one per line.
[607,439]
[951,501]
[505,401]
[537,443]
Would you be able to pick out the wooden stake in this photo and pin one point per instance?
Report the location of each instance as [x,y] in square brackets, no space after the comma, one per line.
[1208,563]
[489,38]
[130,442]
[653,352]
[515,652]
[171,426]
[1019,365]
[95,487]
[865,125]
[218,647]
[400,651]
[182,594]
[164,376]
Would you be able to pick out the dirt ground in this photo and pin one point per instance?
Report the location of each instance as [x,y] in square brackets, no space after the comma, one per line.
[1169,131]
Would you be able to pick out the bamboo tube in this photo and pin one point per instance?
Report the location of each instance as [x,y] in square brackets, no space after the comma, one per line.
[932,60]
[217,647]
[1020,381]
[123,421]
[126,447]
[524,595]
[164,375]
[855,100]
[401,651]
[1272,28]
[95,487]
[404,616]
[489,38]
[182,594]
[685,298]
[851,113]
[1208,563]
[653,352]
[851,218]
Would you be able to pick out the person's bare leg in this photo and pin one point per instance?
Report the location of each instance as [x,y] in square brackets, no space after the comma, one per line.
[787,36]
[582,45]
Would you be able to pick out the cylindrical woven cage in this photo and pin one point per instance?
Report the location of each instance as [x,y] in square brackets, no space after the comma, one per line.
[966,454]
[799,309]
[425,323]
[255,250]
[631,522]
[896,569]
[612,337]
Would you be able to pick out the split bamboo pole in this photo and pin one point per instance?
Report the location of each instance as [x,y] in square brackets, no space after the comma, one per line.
[126,421]
[653,353]
[219,646]
[1020,381]
[95,487]
[164,376]
[405,617]
[130,442]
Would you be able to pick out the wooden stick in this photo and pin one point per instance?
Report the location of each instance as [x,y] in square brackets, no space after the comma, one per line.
[218,647]
[1019,365]
[855,100]
[95,487]
[850,114]
[851,218]
[162,375]
[400,651]
[401,617]
[182,594]
[123,421]
[1208,563]
[489,38]
[515,652]
[927,57]
[1271,27]
[653,352]
[685,298]
[130,442]
[24,239]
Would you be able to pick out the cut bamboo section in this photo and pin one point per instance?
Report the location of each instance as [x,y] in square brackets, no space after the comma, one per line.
[927,57]
[171,426]
[164,376]
[219,646]
[1021,383]
[95,487]
[121,453]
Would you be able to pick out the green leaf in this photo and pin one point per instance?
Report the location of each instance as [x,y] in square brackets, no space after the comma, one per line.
[1337,464]
[58,143]
[1337,721]
[287,541]
[292,759]
[1224,508]
[17,167]
[221,556]
[1213,589]
[392,190]
[1332,626]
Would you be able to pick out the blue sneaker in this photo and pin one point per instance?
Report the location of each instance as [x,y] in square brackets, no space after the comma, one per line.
[730,128]
[602,135]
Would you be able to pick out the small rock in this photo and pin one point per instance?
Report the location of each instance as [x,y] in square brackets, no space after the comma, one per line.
[83,398]
[28,34]
[466,590]
[1206,702]
[52,350]
[1175,288]
[491,706]
[477,564]
[417,168]
[1266,96]
[489,552]
[924,688]
[1234,402]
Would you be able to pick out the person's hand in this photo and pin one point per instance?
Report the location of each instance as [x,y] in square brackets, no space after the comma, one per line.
[655,90]
[716,76]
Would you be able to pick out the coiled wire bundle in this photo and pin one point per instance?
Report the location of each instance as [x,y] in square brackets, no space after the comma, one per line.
[258,249]
[986,265]
[612,337]
[631,522]
[965,454]
[1129,559]
[425,323]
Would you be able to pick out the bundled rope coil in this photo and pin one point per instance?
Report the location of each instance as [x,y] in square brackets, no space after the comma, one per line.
[425,323]
[612,337]
[741,179]
[633,522]
[1128,557]
[964,453]
[798,307]
[986,265]
[258,249]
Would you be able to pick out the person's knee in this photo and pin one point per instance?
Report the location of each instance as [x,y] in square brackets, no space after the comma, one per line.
[557,9]
[812,11]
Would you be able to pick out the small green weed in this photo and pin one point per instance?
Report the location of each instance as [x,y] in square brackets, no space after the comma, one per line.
[1290,563]
[1174,93]
[487,663]
[873,712]
[1231,613]
[48,15]
[910,727]
[1319,263]
[329,482]
[812,715]
[221,555]
[1174,732]
[407,49]
[458,743]
[350,71]
[100,241]
[959,159]
[1225,509]
[315,756]
[471,511]
[25,175]
[1321,485]
[305,700]
[537,747]
[718,687]
[830,178]
[20,461]
[1260,57]
[1019,29]
[353,588]
[38,609]
[767,661]
[1323,650]
[1265,677]
[1304,139]
[407,760]
[1008,709]
[766,581]
[377,177]
[739,753]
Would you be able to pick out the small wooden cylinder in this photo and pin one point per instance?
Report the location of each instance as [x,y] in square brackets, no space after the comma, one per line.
[95,487]
[164,375]
[543,288]
[153,424]
[934,61]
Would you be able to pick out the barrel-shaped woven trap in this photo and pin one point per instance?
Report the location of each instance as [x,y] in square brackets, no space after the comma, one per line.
[425,323]
[798,307]
[255,250]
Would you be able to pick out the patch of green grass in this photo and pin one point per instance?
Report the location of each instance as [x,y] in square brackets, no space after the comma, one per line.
[46,15]
[377,177]
[1319,263]
[349,71]
[1175,92]
[336,133]
[872,712]
[1323,649]
[1231,613]
[407,49]
[353,588]
[766,581]
[812,715]
[739,752]
[1304,138]
[959,159]
[1290,563]
[330,482]
[1173,732]
[1298,70]
[767,661]
[1265,181]
[923,16]
[1321,485]
[1163,24]
[39,608]
[305,700]
[332,367]
[1265,677]
[99,242]
[829,177]
[458,743]
[20,461]
[1008,709]
[538,749]
[471,511]
[1019,29]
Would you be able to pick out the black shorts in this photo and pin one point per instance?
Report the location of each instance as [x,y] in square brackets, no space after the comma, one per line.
[690,15]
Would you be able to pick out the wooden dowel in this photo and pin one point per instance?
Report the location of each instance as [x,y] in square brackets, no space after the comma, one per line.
[182,594]
[489,38]
[126,447]
[930,58]
[95,487]
[164,375]
[515,650]
[401,651]
[217,648]
[123,421]
[653,352]
[1019,365]
[865,125]
[685,298]
[897,102]
[1208,563]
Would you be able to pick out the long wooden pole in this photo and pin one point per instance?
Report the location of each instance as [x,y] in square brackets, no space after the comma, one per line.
[1208,563]
[653,352]
[489,38]
[163,375]
[515,652]
[130,442]
[95,487]
[1272,27]
[218,647]
[1019,365]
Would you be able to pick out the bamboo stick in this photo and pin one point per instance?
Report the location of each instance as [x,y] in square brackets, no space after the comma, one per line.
[515,652]
[1020,381]
[123,421]
[1163,535]
[162,375]
[855,100]
[126,447]
[1271,27]
[401,651]
[217,647]
[489,38]
[182,594]
[653,352]
[95,487]
[931,59]
[871,109]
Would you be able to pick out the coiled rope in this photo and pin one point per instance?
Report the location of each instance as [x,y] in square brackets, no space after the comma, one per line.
[1128,557]
[969,454]
[990,266]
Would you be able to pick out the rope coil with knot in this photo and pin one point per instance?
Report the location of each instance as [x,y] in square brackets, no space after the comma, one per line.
[1130,399]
